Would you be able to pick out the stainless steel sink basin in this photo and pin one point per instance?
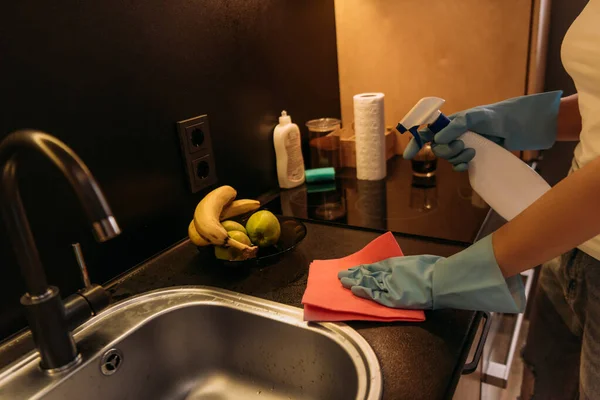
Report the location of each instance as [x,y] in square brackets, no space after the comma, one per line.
[204,343]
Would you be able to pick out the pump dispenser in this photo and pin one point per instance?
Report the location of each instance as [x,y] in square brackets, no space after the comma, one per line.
[288,151]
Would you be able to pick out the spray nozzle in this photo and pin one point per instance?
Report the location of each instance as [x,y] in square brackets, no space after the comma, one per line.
[426,111]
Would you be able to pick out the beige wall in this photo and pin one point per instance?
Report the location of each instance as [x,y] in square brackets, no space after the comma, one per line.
[469,52]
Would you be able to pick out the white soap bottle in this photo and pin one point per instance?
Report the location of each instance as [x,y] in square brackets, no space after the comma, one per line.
[288,151]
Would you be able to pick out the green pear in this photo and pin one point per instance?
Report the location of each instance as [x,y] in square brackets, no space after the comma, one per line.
[229,253]
[233,226]
[263,228]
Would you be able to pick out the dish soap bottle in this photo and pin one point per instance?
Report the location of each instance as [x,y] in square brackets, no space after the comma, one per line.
[288,151]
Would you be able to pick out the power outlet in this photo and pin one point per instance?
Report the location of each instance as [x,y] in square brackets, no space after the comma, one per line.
[196,147]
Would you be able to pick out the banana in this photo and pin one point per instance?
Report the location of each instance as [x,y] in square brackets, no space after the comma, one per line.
[206,215]
[239,207]
[207,220]
[195,236]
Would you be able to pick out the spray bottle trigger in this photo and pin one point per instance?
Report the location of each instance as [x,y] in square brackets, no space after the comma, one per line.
[413,131]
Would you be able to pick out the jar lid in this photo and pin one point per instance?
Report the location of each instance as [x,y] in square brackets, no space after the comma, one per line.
[323,124]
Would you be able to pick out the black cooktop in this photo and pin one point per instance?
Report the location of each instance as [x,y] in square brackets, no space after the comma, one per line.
[441,206]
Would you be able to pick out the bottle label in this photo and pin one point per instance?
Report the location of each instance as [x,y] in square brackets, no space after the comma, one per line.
[295,162]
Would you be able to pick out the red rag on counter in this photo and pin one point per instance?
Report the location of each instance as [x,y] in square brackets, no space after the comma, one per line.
[325,299]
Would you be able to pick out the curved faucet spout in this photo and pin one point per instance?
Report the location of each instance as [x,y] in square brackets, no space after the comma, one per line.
[91,197]
[43,304]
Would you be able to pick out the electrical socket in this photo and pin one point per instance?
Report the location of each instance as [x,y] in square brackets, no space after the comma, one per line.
[196,147]
[203,170]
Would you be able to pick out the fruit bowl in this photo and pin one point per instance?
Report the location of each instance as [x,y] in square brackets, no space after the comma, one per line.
[292,233]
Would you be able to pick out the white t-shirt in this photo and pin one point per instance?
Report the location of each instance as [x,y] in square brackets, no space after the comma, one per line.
[581,58]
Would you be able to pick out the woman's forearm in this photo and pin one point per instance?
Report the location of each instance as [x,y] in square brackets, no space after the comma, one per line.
[569,119]
[562,219]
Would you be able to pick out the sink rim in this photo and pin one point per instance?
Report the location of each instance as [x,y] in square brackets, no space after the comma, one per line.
[143,308]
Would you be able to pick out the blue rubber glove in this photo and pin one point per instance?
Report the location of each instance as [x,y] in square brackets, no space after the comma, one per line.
[521,123]
[469,280]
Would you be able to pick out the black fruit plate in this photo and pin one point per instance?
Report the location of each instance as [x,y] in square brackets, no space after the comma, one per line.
[292,233]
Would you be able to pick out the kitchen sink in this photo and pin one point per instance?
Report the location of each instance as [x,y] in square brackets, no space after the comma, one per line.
[203,343]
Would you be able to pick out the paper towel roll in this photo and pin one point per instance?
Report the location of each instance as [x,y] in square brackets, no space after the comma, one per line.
[369,129]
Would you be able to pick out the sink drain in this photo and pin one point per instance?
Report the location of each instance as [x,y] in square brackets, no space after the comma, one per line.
[111,361]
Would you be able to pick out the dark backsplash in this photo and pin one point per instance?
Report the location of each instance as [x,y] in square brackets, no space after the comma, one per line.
[110,78]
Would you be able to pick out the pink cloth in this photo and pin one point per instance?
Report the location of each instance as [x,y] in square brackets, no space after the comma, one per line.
[325,299]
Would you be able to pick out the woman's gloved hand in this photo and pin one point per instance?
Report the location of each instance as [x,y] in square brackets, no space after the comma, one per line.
[521,123]
[469,280]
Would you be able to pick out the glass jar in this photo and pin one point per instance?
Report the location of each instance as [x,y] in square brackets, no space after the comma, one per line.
[324,142]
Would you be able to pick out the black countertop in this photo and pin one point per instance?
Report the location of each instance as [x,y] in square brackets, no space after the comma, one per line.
[443,206]
[418,360]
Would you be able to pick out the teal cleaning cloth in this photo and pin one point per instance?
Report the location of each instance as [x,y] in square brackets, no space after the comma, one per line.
[320,175]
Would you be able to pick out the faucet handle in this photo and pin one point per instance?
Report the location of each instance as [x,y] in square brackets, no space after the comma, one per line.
[88,301]
[82,266]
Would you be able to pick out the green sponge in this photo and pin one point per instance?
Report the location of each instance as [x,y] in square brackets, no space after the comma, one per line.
[320,175]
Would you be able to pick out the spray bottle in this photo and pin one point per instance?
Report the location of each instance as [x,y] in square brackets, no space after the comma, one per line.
[503,180]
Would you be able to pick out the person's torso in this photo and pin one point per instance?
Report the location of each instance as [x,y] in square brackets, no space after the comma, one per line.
[581,59]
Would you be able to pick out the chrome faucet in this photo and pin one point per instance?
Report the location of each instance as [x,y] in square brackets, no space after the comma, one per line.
[49,319]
